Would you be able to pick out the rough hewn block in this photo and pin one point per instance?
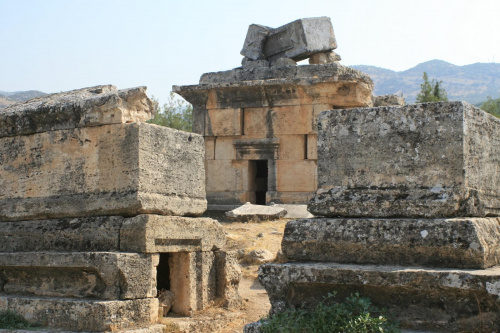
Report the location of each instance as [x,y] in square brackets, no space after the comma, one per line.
[77,108]
[223,122]
[292,147]
[296,176]
[421,160]
[89,234]
[104,275]
[228,279]
[461,242]
[227,175]
[254,41]
[85,315]
[288,197]
[448,300]
[123,169]
[292,119]
[224,147]
[156,233]
[299,39]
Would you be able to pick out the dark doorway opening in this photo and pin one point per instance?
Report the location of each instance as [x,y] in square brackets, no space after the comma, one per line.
[261,174]
[163,273]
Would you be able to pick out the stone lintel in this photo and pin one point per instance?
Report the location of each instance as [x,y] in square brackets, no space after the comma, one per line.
[103,275]
[450,300]
[458,243]
[85,107]
[421,160]
[84,315]
[119,169]
[156,233]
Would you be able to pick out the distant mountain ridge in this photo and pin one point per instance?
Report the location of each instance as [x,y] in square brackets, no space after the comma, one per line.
[8,98]
[472,83]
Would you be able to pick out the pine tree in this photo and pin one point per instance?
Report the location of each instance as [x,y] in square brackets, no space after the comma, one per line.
[431,91]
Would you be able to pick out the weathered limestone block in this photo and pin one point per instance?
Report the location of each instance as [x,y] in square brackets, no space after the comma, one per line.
[299,39]
[224,147]
[249,212]
[228,279]
[104,275]
[421,160]
[84,315]
[253,47]
[454,243]
[297,176]
[449,300]
[223,122]
[77,108]
[324,58]
[156,233]
[123,169]
[88,234]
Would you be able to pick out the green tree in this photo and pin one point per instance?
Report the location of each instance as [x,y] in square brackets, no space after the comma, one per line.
[432,91]
[175,113]
[492,106]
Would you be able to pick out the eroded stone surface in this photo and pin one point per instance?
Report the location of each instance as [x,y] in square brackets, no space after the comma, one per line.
[97,233]
[123,169]
[460,242]
[388,100]
[419,160]
[103,275]
[155,233]
[77,108]
[84,315]
[228,279]
[436,299]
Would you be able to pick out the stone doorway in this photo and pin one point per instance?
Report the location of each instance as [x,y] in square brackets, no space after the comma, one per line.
[259,172]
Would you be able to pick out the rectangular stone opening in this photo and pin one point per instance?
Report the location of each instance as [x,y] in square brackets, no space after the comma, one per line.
[258,176]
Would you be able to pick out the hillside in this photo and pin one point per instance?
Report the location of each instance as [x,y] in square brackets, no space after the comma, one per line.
[471,83]
[8,98]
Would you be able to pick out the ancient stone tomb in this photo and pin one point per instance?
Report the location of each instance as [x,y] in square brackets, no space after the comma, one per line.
[259,120]
[409,198]
[97,215]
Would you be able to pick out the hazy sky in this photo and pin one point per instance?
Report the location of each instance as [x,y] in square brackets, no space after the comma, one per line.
[58,45]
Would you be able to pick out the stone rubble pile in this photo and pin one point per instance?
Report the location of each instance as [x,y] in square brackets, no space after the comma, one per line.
[98,214]
[410,203]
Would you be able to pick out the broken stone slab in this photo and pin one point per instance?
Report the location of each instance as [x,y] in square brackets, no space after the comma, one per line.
[103,275]
[458,243]
[295,211]
[82,314]
[388,100]
[253,47]
[156,233]
[120,169]
[249,212]
[282,62]
[85,107]
[449,300]
[420,160]
[296,40]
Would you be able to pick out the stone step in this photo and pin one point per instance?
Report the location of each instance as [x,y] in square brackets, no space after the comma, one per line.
[449,300]
[73,314]
[454,243]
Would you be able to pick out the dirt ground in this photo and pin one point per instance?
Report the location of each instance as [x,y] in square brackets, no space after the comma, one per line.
[251,236]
